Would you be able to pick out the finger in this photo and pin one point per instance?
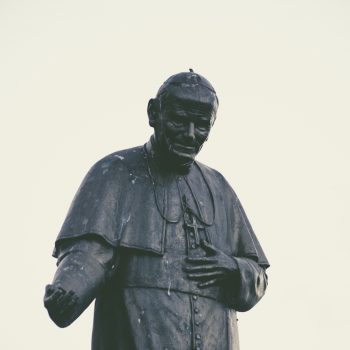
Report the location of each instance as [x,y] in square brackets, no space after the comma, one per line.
[205,275]
[52,299]
[68,299]
[195,268]
[49,290]
[62,306]
[70,294]
[209,283]
[202,260]
[209,248]
[60,299]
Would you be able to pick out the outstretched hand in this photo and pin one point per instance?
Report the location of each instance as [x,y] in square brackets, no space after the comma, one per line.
[58,302]
[211,269]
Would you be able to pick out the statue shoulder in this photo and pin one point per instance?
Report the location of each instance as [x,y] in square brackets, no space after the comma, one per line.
[117,163]
[214,176]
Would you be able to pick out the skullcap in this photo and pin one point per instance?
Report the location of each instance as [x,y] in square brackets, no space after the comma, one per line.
[186,80]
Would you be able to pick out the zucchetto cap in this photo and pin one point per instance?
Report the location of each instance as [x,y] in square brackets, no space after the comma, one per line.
[186,80]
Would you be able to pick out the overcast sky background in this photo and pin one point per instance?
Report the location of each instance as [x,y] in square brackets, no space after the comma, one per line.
[75,79]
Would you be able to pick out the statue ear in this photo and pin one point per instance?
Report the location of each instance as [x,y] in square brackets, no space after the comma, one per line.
[153,110]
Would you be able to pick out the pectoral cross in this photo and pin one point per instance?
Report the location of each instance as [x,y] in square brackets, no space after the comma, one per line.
[192,225]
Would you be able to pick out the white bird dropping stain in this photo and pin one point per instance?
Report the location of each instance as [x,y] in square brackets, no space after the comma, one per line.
[169,294]
[169,277]
[139,319]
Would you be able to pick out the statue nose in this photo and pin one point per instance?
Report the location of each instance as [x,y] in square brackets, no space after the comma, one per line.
[190,131]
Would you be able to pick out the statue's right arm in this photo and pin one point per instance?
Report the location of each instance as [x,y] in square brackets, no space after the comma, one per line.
[84,266]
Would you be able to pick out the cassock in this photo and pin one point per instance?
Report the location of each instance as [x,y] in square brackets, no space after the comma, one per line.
[125,242]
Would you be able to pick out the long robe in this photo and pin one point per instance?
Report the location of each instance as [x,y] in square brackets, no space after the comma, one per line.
[124,242]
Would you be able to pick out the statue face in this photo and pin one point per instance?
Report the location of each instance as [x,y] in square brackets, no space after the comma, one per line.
[182,128]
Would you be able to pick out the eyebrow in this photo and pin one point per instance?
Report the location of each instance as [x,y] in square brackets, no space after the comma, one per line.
[180,111]
[198,106]
[197,116]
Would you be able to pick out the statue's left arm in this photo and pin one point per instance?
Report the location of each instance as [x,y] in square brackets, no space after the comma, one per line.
[251,262]
[241,274]
[242,279]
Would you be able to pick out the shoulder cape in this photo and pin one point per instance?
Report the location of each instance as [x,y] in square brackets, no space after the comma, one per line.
[116,202]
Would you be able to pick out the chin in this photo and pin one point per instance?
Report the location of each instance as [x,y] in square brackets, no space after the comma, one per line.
[182,158]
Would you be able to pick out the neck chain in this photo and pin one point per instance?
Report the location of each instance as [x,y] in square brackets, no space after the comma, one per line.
[183,205]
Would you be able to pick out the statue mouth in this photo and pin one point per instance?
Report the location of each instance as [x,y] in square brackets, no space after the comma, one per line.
[182,150]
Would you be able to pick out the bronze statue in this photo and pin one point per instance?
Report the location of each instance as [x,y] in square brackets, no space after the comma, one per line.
[160,240]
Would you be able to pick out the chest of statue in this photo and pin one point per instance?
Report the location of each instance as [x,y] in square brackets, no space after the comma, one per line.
[158,202]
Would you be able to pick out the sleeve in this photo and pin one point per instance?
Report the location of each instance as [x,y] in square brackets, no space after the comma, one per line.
[252,282]
[84,267]
[248,245]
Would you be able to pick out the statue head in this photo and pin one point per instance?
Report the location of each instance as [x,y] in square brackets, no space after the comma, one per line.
[182,115]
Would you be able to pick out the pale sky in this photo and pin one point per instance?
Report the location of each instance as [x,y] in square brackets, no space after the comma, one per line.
[75,79]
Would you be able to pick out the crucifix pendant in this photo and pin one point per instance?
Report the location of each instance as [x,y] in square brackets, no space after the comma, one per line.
[192,225]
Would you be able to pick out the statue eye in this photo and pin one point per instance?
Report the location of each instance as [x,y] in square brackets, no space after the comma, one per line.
[177,123]
[203,127]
